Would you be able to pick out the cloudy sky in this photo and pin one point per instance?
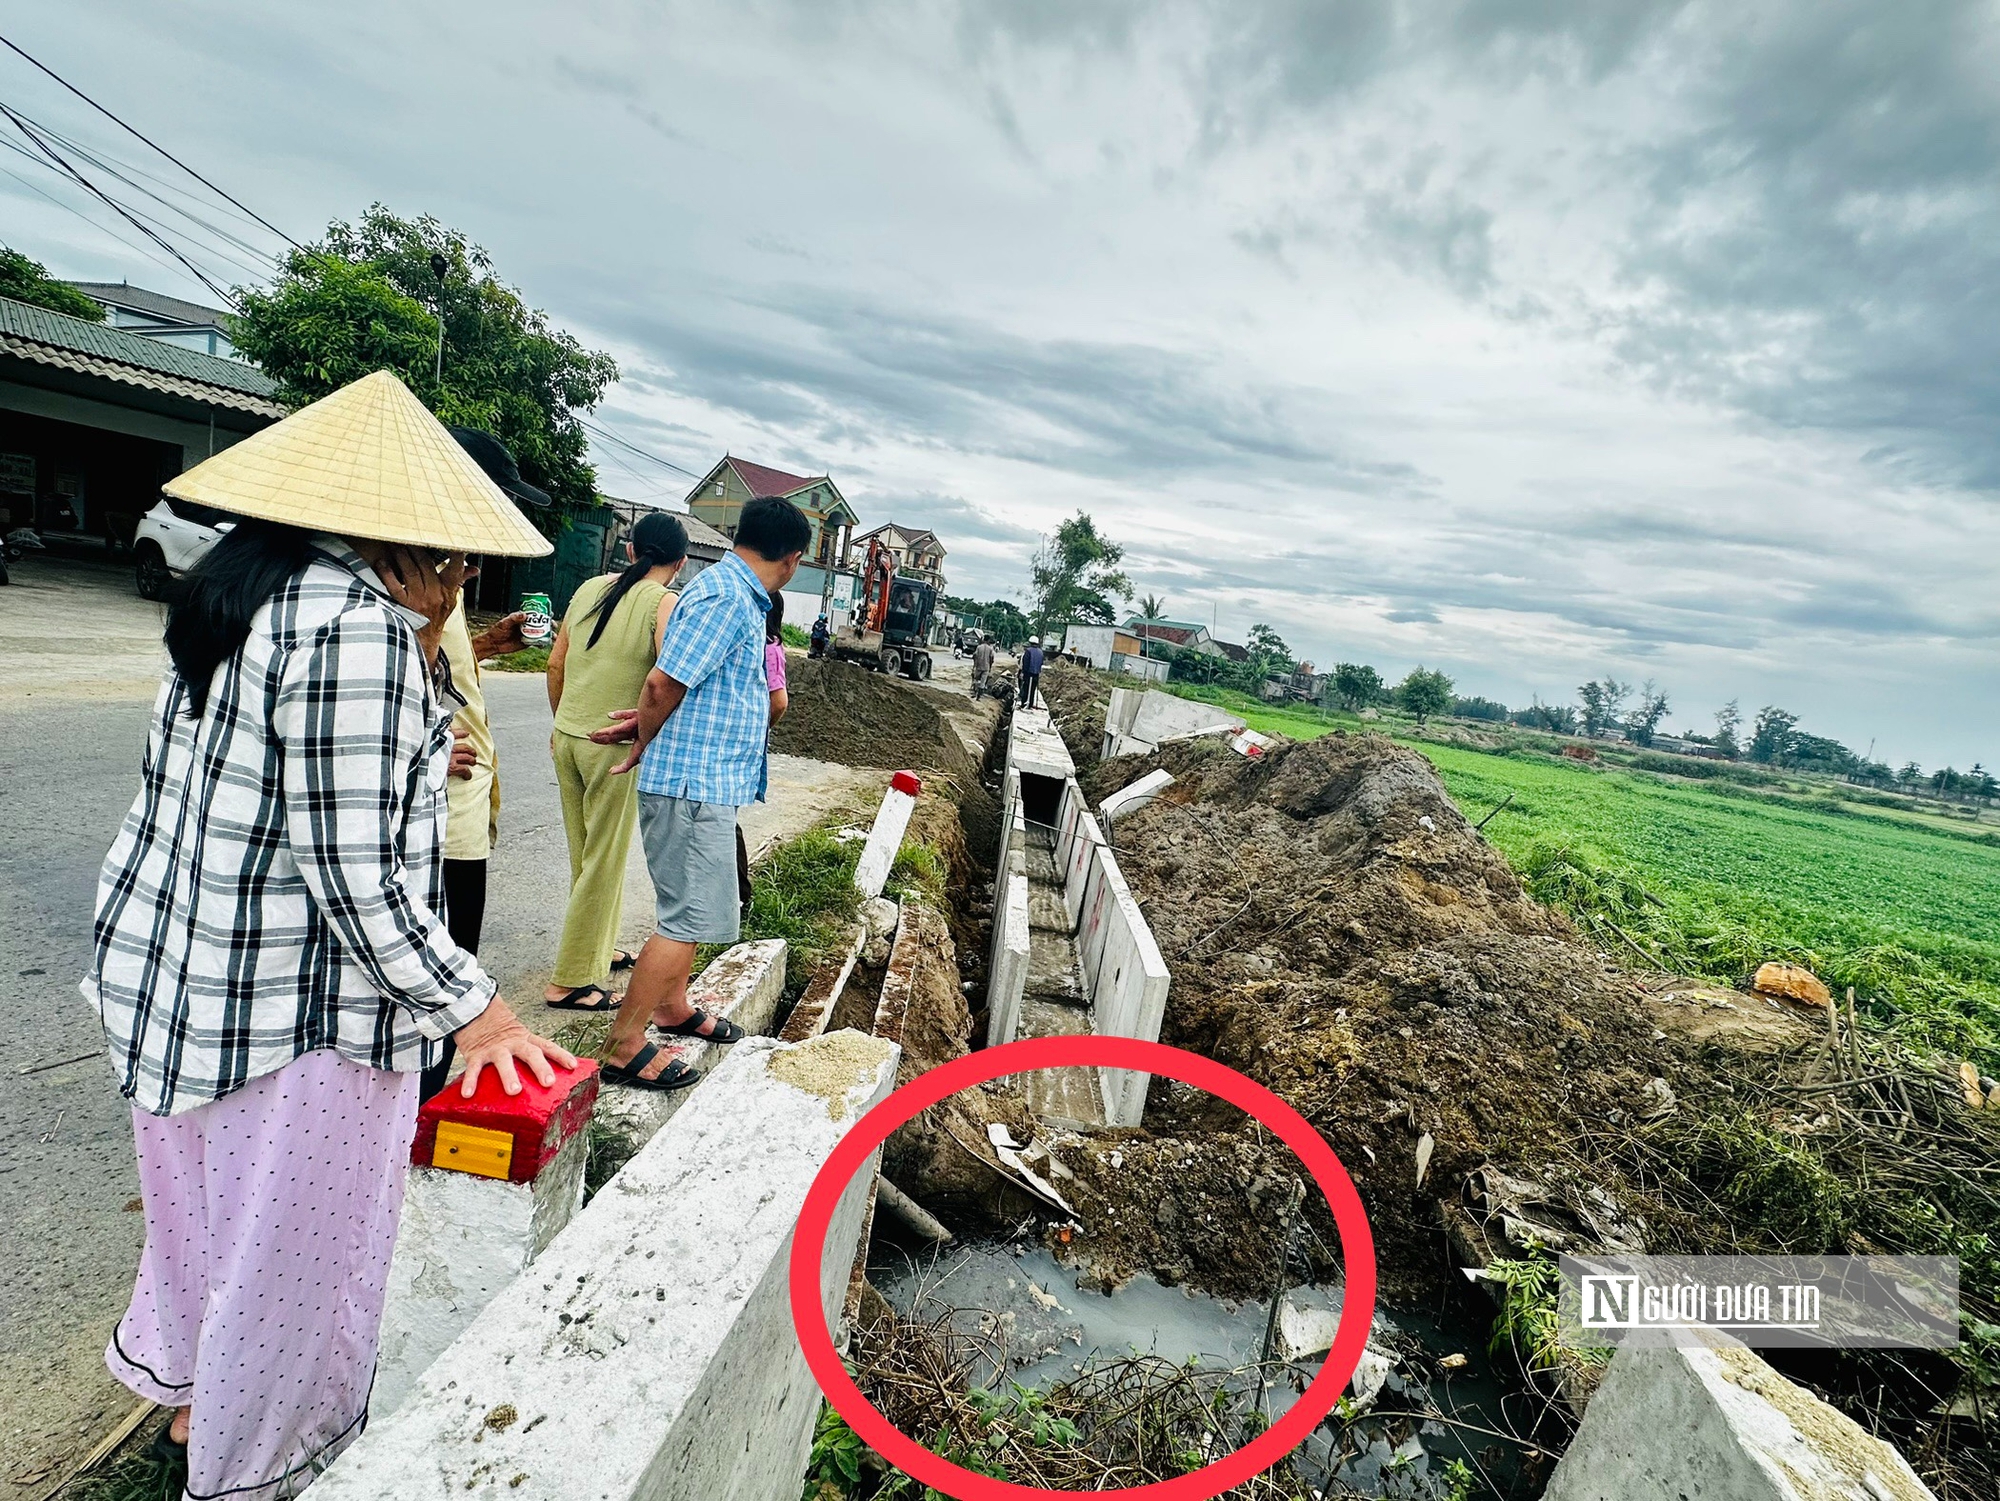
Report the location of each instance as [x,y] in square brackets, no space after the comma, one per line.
[1529,339]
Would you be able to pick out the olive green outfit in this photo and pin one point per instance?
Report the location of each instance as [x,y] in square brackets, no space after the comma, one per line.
[598,809]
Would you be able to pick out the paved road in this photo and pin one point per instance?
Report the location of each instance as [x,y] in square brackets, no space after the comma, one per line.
[72,726]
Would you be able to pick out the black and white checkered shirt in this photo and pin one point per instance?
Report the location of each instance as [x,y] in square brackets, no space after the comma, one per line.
[277,886]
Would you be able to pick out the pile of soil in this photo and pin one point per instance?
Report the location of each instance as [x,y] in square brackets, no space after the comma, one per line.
[840,711]
[1339,932]
[1076,697]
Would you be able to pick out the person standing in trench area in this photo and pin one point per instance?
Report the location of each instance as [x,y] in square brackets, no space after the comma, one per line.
[1031,671]
[699,738]
[270,966]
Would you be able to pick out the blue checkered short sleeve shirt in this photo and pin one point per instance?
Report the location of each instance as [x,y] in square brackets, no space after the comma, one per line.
[711,749]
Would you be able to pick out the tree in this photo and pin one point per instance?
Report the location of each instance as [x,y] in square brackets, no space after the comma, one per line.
[367,298]
[1357,686]
[1728,719]
[1559,718]
[1601,701]
[1075,576]
[1644,722]
[1479,708]
[1001,618]
[1269,651]
[1152,607]
[28,280]
[1424,693]
[1910,777]
[1771,735]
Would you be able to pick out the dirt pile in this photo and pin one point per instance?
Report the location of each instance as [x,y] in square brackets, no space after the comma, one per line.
[843,712]
[1338,931]
[1077,698]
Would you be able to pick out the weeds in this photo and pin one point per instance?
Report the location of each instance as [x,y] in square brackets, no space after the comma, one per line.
[527,659]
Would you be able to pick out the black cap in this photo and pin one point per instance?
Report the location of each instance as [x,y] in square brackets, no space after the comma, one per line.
[490,454]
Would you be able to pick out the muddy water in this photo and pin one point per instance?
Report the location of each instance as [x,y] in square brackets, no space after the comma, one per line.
[1039,1328]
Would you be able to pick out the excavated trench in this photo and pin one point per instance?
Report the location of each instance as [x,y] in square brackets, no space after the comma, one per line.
[1174,1233]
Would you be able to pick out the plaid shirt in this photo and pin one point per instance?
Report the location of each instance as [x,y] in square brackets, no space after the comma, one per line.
[277,887]
[711,749]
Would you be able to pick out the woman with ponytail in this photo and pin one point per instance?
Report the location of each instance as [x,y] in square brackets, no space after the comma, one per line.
[609,640]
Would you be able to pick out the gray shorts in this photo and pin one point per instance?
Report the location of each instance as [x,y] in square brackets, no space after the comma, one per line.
[691,854]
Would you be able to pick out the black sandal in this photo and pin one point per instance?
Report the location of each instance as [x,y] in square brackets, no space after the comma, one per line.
[623,960]
[726,1031]
[676,1075]
[571,1002]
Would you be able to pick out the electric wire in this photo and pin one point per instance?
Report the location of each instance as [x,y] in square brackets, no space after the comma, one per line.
[145,229]
[259,271]
[133,130]
[610,437]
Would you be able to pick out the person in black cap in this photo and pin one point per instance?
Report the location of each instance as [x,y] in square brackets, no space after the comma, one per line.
[473,795]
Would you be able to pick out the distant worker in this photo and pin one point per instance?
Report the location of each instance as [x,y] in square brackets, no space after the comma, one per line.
[609,640]
[1031,671]
[982,667]
[820,633]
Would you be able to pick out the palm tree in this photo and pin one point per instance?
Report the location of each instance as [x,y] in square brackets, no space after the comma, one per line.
[1151,607]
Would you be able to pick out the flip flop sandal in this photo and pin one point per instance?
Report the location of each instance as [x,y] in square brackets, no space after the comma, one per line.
[623,960]
[164,1446]
[725,1030]
[676,1075]
[579,1000]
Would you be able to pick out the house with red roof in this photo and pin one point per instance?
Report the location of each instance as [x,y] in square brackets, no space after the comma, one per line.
[733,483]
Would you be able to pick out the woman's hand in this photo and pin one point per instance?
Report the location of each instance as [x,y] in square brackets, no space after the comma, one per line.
[497,1039]
[463,757]
[416,581]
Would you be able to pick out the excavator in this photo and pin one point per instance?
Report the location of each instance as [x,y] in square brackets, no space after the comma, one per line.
[892,620]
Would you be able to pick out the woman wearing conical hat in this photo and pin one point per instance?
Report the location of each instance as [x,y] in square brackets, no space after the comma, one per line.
[272,966]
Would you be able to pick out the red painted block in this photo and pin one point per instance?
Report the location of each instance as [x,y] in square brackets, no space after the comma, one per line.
[538,1120]
[906,781]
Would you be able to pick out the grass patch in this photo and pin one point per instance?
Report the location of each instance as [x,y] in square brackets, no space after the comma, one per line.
[135,1473]
[527,659]
[795,636]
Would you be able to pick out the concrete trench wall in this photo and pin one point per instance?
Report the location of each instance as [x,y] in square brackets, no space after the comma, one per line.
[1123,972]
[649,1353]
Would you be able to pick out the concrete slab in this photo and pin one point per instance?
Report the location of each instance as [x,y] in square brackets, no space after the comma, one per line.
[650,1353]
[1042,867]
[1669,1424]
[1136,795]
[1046,910]
[1061,1096]
[1039,753]
[815,1008]
[1053,972]
[744,984]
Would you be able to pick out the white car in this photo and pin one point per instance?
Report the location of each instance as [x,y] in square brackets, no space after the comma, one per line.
[170,539]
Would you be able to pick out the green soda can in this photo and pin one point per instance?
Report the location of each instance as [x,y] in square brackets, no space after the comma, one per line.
[539,629]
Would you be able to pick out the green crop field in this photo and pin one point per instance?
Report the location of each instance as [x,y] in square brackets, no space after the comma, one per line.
[1715,884]
[1710,879]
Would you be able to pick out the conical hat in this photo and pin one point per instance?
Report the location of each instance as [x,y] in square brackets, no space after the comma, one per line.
[367,461]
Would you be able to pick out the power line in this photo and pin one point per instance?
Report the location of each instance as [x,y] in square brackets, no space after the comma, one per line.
[260,271]
[14,47]
[610,437]
[55,156]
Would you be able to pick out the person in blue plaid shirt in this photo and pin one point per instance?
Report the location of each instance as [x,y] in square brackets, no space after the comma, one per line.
[699,735]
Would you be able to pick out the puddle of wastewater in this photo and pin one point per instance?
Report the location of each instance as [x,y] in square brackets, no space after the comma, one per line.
[1039,1328]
